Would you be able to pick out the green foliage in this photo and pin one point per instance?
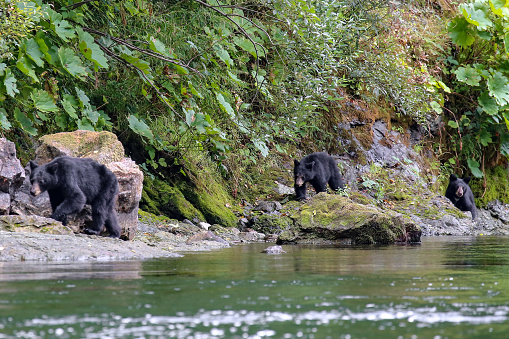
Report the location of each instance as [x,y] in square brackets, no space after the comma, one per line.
[479,29]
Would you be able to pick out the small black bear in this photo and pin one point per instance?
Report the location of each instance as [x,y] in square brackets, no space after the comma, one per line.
[318,169]
[73,182]
[461,195]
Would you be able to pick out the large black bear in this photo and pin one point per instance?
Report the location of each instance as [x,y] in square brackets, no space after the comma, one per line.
[318,169]
[73,182]
[461,195]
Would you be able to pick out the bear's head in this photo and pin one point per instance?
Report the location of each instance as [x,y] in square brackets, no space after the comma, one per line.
[303,172]
[458,186]
[42,178]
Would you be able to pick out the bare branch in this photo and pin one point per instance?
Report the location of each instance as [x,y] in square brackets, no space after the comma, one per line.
[142,50]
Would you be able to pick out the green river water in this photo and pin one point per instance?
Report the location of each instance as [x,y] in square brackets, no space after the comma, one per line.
[445,287]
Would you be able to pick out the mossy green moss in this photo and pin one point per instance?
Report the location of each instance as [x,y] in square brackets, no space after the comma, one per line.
[497,186]
[332,217]
[159,198]
[207,193]
[271,224]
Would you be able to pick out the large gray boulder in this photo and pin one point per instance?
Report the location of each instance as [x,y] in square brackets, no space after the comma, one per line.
[11,174]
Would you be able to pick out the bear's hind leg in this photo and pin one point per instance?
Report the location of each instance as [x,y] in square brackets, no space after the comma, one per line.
[111,224]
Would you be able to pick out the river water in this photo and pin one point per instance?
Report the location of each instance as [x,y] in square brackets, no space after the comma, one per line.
[445,287]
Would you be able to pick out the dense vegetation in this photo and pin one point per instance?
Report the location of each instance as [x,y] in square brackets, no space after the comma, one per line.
[238,81]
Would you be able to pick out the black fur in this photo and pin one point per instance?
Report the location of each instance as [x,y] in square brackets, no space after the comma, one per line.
[73,182]
[318,169]
[461,195]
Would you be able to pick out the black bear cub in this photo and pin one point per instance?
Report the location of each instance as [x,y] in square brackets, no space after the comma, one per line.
[318,169]
[73,182]
[461,195]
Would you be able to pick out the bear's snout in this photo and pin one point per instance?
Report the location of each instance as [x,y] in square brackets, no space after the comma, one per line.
[459,192]
[35,190]
[299,181]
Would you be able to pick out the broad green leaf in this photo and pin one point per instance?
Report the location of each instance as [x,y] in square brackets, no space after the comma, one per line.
[26,66]
[488,104]
[223,55]
[91,114]
[476,17]
[236,79]
[43,101]
[3,67]
[499,88]
[499,7]
[452,124]
[32,50]
[468,75]
[131,8]
[460,32]
[10,83]
[181,70]
[194,91]
[91,50]
[85,124]
[83,98]
[157,46]
[64,30]
[444,86]
[474,168]
[248,46]
[262,146]
[485,138]
[4,122]
[436,107]
[70,103]
[26,124]
[189,116]
[139,127]
[225,105]
[71,62]
[504,148]
[141,64]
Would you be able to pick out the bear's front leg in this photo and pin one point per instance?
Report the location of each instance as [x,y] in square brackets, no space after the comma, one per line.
[300,192]
[71,204]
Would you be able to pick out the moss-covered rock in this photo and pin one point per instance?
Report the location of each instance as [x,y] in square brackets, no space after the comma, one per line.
[497,186]
[271,223]
[32,224]
[207,193]
[334,219]
[159,198]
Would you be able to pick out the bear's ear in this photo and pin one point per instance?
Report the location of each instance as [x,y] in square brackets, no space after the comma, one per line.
[310,165]
[467,180]
[296,162]
[33,165]
[453,177]
[52,168]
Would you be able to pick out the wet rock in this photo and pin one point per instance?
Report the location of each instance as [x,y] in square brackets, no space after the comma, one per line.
[283,189]
[204,225]
[270,223]
[276,249]
[499,211]
[268,206]
[332,219]
[205,235]
[32,224]
[11,174]
[251,236]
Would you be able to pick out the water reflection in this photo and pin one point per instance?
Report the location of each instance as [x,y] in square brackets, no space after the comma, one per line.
[451,287]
